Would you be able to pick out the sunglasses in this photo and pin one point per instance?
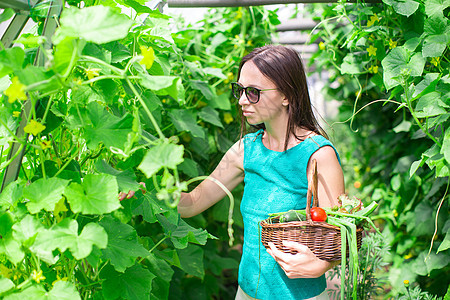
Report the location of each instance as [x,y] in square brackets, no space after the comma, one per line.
[252,93]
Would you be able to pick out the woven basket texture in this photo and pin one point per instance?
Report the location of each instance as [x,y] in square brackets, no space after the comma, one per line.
[322,238]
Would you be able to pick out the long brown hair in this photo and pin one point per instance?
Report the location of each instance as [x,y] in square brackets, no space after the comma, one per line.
[284,67]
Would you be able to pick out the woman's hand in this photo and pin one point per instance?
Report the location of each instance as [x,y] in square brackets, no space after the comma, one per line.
[304,264]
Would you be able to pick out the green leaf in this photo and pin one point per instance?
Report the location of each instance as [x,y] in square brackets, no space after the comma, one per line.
[162,155]
[44,193]
[11,248]
[437,36]
[216,72]
[424,264]
[210,115]
[10,195]
[148,206]
[185,120]
[5,285]
[62,290]
[26,230]
[125,179]
[405,8]
[140,9]
[11,59]
[7,14]
[107,128]
[6,223]
[133,284]
[435,8]
[203,86]
[157,83]
[398,60]
[427,85]
[183,233]
[221,102]
[191,260]
[445,150]
[161,283]
[404,126]
[97,24]
[64,235]
[11,126]
[66,52]
[350,65]
[123,245]
[97,194]
[164,85]
[430,105]
[445,243]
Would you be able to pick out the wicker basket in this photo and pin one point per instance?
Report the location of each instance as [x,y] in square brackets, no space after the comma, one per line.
[323,239]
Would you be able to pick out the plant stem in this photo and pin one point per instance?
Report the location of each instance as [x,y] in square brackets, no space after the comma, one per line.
[156,245]
[149,114]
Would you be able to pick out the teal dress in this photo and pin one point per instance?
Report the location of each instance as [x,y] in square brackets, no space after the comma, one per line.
[274,182]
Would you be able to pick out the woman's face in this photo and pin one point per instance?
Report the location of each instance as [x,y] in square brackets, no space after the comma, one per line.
[271,105]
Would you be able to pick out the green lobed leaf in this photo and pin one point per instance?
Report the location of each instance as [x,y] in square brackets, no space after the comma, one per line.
[398,60]
[64,235]
[424,264]
[445,243]
[26,230]
[185,120]
[435,8]
[182,233]
[161,283]
[162,155]
[157,83]
[123,245]
[405,8]
[430,105]
[66,53]
[97,194]
[191,260]
[148,206]
[11,125]
[98,24]
[107,128]
[11,59]
[437,36]
[11,248]
[62,290]
[133,284]
[210,115]
[350,65]
[44,193]
[10,195]
[203,86]
[5,285]
[125,179]
[445,150]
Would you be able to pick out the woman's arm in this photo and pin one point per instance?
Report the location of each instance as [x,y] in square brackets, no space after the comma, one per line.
[330,176]
[305,264]
[230,172]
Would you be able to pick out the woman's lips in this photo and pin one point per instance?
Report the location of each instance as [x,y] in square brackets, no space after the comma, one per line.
[246,113]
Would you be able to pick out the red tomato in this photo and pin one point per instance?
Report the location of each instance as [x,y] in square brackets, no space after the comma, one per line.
[318,214]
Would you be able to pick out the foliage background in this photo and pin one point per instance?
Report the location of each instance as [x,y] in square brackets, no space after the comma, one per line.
[388,64]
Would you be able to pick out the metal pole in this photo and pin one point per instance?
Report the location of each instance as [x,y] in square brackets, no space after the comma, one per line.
[12,170]
[14,29]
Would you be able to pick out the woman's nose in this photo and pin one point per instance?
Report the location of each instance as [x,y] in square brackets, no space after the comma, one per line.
[243,100]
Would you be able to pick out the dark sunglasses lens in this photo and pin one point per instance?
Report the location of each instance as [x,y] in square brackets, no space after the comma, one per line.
[252,94]
[237,90]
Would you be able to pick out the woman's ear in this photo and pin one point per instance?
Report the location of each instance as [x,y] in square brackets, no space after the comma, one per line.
[285,101]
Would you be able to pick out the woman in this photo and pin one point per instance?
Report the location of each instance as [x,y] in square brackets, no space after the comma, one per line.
[273,163]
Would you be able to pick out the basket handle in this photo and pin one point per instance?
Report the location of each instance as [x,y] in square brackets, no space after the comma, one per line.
[312,190]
